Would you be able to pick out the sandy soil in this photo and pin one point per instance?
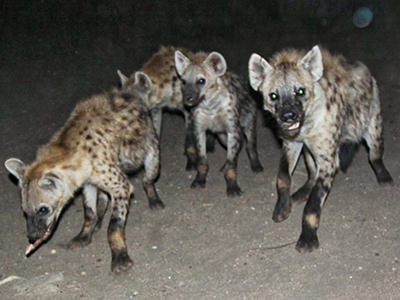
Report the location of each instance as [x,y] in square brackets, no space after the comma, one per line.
[203,245]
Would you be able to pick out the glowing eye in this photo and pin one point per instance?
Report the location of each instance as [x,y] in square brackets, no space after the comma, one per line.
[301,92]
[273,96]
[43,211]
[201,81]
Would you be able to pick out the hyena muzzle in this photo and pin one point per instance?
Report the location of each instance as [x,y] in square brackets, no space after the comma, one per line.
[218,103]
[105,136]
[324,107]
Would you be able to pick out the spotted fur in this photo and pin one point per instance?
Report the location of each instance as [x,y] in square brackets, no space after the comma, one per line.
[218,103]
[324,107]
[166,91]
[105,137]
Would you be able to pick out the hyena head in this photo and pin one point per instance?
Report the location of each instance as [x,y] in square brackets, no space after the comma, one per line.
[44,193]
[287,85]
[140,82]
[199,79]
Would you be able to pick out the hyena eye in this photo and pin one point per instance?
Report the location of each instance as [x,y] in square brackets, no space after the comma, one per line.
[274,96]
[183,81]
[42,211]
[301,92]
[201,81]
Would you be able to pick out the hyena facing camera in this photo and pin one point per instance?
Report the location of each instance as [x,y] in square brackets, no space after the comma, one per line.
[166,93]
[218,103]
[105,136]
[324,107]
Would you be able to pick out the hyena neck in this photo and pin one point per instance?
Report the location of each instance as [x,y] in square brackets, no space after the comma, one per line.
[315,114]
[216,95]
[72,168]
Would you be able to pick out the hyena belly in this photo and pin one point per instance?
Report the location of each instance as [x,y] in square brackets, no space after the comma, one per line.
[324,107]
[101,134]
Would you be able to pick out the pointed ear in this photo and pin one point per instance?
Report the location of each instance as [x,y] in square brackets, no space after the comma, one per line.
[312,62]
[51,181]
[143,82]
[122,77]
[16,167]
[217,63]
[181,62]
[258,70]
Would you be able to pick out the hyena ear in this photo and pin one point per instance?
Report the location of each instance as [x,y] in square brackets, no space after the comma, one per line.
[122,77]
[51,181]
[258,70]
[181,62]
[16,167]
[143,82]
[312,62]
[217,63]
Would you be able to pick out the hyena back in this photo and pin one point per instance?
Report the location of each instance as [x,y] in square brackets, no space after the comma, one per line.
[104,137]
[166,92]
[324,107]
[218,103]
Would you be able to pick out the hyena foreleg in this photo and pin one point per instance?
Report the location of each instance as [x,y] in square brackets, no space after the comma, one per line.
[202,164]
[230,166]
[151,169]
[327,168]
[84,237]
[190,143]
[290,155]
[120,191]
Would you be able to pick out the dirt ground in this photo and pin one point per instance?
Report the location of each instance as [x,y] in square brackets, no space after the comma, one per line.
[203,245]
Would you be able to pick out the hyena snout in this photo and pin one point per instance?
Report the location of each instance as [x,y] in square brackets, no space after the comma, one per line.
[289,120]
[191,97]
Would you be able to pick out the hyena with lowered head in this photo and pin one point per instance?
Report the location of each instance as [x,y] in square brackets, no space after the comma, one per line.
[105,136]
[324,107]
[167,93]
[218,102]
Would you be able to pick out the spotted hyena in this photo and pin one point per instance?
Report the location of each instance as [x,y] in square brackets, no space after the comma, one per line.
[218,103]
[324,107]
[105,136]
[167,93]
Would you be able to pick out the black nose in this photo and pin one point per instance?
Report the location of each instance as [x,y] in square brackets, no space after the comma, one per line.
[289,116]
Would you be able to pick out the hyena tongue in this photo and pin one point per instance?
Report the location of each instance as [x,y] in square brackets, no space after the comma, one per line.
[33,246]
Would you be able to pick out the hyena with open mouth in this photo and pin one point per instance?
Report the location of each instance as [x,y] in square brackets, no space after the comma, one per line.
[105,136]
[218,103]
[324,107]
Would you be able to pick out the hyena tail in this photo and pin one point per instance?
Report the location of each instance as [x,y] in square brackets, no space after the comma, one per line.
[346,154]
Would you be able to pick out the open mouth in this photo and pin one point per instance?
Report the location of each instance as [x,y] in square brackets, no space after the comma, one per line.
[290,129]
[31,247]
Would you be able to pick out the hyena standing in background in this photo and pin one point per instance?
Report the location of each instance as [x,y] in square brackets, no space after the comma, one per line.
[167,93]
[324,107]
[218,102]
[104,137]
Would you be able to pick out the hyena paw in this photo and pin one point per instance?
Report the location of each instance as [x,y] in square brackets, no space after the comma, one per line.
[79,241]
[198,183]
[281,213]
[121,263]
[156,204]
[307,244]
[233,191]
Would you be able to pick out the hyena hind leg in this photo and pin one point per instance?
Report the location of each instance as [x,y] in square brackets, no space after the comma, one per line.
[250,133]
[102,204]
[151,168]
[374,141]
[90,223]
